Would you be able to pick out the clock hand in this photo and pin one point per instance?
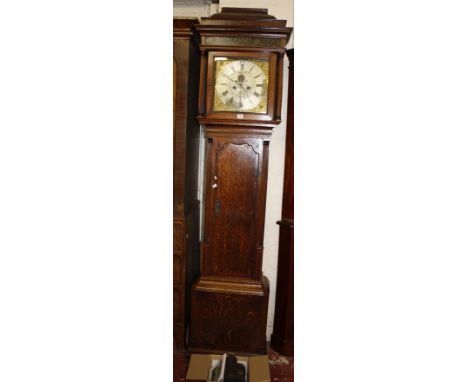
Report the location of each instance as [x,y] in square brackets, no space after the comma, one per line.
[229,78]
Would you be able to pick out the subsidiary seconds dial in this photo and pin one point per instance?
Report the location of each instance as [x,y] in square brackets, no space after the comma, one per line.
[241,85]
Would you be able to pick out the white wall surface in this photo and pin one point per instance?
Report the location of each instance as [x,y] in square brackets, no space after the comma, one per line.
[281,9]
[192,8]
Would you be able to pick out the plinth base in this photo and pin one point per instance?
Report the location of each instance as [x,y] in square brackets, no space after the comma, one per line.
[229,317]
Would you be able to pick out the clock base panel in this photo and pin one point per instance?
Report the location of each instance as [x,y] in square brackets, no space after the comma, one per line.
[227,321]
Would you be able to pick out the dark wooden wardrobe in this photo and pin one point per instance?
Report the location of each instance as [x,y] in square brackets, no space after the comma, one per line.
[282,338]
[186,139]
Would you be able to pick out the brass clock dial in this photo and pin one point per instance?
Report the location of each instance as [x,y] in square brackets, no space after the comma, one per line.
[241,85]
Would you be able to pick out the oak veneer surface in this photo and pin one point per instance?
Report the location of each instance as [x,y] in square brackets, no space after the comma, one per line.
[225,322]
[186,207]
[282,338]
[230,299]
[231,237]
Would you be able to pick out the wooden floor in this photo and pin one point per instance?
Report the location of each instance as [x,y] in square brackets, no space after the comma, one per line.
[281,367]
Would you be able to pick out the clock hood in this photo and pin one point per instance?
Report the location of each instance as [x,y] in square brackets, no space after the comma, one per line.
[225,29]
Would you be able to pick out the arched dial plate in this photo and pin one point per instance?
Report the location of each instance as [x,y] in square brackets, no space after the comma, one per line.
[241,85]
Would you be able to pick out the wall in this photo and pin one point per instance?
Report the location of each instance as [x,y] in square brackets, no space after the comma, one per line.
[193,8]
[281,9]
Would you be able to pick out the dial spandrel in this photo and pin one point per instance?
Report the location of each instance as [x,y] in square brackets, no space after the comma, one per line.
[241,85]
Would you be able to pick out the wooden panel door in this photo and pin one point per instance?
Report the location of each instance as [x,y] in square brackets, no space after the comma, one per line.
[234,181]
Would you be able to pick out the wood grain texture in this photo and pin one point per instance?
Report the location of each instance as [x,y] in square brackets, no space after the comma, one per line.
[282,338]
[232,234]
[186,132]
[233,322]
[235,197]
[230,300]
[186,127]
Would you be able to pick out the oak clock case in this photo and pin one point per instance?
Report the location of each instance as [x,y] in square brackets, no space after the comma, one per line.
[239,103]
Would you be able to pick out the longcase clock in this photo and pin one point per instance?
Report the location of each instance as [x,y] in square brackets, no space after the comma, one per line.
[241,72]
